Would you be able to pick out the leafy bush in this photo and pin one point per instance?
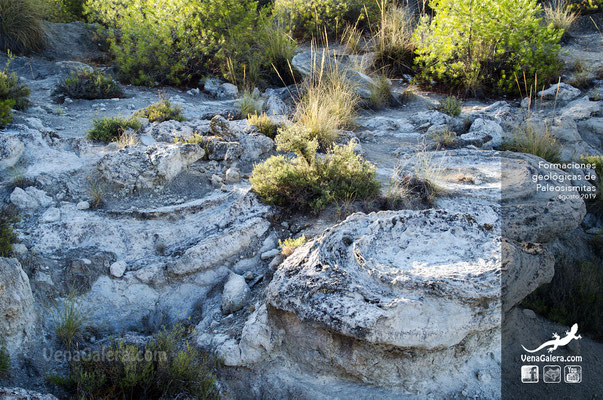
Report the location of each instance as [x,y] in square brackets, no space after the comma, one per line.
[488,44]
[307,18]
[13,94]
[4,363]
[21,26]
[527,140]
[110,129]
[573,295]
[167,366]
[86,84]
[264,124]
[289,245]
[451,105]
[311,181]
[161,111]
[557,14]
[170,41]
[586,6]
[7,235]
[63,10]
[393,45]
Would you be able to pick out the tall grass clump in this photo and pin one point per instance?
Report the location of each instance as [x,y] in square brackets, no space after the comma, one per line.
[21,26]
[558,14]
[69,318]
[167,366]
[528,139]
[393,44]
[484,45]
[264,124]
[250,104]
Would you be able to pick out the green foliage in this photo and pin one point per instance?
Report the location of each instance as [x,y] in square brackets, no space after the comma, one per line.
[557,14]
[300,185]
[393,45]
[264,124]
[13,94]
[586,6]
[170,41]
[86,84]
[573,295]
[528,140]
[4,363]
[289,245]
[167,366]
[307,18]
[110,129]
[249,104]
[7,235]
[161,111]
[63,10]
[451,105]
[486,45]
[21,26]
[69,318]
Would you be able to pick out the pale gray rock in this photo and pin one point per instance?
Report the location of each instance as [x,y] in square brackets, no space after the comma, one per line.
[269,254]
[17,313]
[220,90]
[118,268]
[30,198]
[83,205]
[581,108]
[485,133]
[235,294]
[140,167]
[52,214]
[15,393]
[233,175]
[11,150]
[561,92]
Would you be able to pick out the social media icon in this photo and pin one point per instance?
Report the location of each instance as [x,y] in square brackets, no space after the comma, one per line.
[551,374]
[529,374]
[573,374]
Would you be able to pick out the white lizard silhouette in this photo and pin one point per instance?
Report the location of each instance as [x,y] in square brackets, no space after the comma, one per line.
[558,341]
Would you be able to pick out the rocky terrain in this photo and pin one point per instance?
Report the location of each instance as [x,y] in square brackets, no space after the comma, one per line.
[389,304]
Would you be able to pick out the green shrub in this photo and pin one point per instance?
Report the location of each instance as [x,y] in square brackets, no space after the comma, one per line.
[573,295]
[85,84]
[7,235]
[170,41]
[63,10]
[110,129]
[307,18]
[167,366]
[264,124]
[486,45]
[586,6]
[451,105]
[21,26]
[276,49]
[13,94]
[309,181]
[289,245]
[528,140]
[161,111]
[393,45]
[4,363]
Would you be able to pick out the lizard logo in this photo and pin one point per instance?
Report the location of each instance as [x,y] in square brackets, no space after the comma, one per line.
[558,341]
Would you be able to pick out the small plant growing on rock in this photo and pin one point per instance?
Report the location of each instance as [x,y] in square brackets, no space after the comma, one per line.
[161,111]
[167,366]
[4,363]
[69,317]
[7,235]
[444,138]
[110,129]
[88,84]
[289,245]
[451,105]
[97,191]
[528,140]
[264,124]
[408,191]
[13,94]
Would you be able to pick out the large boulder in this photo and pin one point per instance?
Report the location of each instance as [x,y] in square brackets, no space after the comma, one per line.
[17,314]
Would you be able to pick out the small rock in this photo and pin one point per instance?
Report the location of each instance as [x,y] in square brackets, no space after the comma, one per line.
[20,249]
[248,276]
[276,261]
[118,269]
[30,198]
[53,214]
[216,180]
[83,205]
[561,91]
[235,294]
[269,254]
[233,175]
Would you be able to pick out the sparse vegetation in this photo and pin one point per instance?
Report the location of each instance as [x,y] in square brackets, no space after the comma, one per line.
[558,14]
[393,44]
[311,181]
[21,26]
[167,366]
[69,318]
[353,39]
[451,105]
[13,94]
[289,245]
[528,140]
[161,111]
[110,129]
[407,191]
[573,295]
[7,235]
[264,123]
[250,104]
[484,46]
[444,138]
[381,93]
[96,191]
[86,84]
